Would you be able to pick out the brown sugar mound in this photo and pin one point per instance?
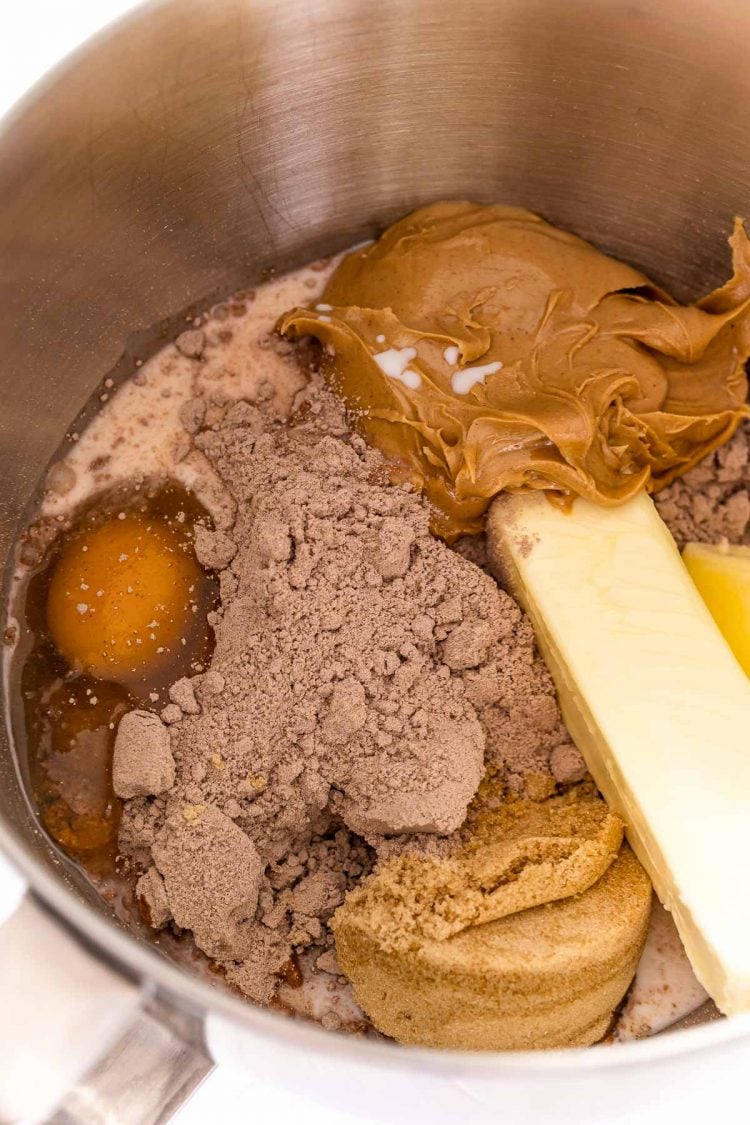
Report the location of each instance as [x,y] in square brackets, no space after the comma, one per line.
[522,855]
[570,913]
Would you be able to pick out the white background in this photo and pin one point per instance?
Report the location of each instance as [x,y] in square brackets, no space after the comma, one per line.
[34,35]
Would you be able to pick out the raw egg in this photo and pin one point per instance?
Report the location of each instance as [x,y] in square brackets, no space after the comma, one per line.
[122,597]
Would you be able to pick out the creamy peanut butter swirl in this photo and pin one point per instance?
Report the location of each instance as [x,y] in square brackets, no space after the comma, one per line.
[486,350]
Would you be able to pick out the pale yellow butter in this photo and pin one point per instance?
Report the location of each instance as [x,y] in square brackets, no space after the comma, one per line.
[722,575]
[656,702]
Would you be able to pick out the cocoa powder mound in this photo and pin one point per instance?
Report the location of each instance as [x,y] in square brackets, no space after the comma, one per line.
[365,678]
[712,501]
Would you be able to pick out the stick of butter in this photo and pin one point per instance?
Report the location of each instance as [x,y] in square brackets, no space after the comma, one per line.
[722,575]
[655,700]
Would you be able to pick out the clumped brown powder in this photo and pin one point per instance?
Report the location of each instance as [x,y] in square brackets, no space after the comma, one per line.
[365,677]
[712,501]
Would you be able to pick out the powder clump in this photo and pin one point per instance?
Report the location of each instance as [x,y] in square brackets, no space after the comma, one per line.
[142,761]
[712,501]
[211,873]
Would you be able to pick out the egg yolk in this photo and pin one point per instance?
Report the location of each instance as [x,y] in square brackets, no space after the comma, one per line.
[121,597]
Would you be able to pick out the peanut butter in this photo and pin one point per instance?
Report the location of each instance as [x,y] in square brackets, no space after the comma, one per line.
[486,350]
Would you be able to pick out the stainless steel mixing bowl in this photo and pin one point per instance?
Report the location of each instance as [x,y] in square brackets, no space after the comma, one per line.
[199,143]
